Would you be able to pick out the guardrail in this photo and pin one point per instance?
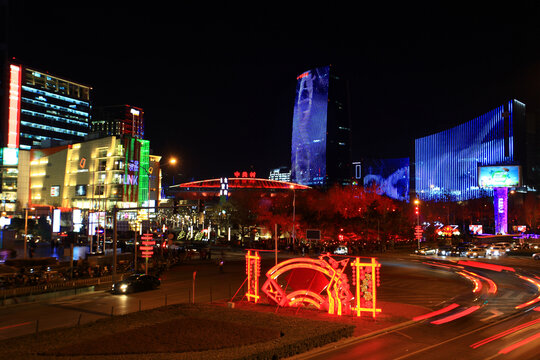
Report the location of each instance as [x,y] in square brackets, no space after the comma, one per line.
[56,286]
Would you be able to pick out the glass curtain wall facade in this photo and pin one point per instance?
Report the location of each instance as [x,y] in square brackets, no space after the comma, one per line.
[52,108]
[446,163]
[320,154]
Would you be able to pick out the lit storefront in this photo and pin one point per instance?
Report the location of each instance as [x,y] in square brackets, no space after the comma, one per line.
[92,175]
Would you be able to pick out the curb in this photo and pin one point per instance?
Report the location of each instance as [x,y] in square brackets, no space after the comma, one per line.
[350,340]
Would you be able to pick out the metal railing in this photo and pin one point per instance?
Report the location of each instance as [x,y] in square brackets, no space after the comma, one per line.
[55,286]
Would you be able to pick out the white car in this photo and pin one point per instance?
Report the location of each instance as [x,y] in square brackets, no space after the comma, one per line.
[341,250]
[495,251]
[476,252]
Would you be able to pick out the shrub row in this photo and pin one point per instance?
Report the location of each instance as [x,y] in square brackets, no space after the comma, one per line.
[297,335]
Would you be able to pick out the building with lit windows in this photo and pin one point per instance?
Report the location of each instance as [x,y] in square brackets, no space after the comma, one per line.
[92,175]
[321,134]
[447,163]
[119,120]
[280,174]
[39,107]
[42,106]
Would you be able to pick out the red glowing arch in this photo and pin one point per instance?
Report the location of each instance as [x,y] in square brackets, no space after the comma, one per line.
[330,292]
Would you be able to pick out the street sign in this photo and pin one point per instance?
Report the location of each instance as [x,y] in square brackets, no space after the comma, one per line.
[147,247]
[418,231]
[313,234]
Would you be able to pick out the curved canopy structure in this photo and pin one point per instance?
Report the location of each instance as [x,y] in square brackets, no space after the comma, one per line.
[240,183]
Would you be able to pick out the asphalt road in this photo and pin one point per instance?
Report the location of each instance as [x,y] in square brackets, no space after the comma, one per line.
[405,279]
[496,330]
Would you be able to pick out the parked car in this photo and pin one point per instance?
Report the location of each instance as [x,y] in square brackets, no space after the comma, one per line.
[476,252]
[536,256]
[137,282]
[495,251]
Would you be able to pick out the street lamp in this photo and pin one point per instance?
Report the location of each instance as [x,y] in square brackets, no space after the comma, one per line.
[417,212]
[293,214]
[26,229]
[172,162]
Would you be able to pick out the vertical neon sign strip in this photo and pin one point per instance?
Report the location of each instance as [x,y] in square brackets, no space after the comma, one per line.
[144,165]
[371,288]
[253,269]
[14,119]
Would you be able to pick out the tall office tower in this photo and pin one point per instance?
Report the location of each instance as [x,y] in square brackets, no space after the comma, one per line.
[119,120]
[321,135]
[41,107]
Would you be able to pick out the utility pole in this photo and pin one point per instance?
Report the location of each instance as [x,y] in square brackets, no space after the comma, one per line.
[115,238]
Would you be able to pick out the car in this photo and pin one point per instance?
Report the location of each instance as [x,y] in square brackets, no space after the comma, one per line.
[505,245]
[341,250]
[495,251]
[136,282]
[463,250]
[446,251]
[536,256]
[426,251]
[476,252]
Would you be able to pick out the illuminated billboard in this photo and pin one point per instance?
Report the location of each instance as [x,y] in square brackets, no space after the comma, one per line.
[308,153]
[499,176]
[390,177]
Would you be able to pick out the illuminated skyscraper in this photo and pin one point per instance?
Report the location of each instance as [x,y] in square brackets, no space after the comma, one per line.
[41,106]
[321,136]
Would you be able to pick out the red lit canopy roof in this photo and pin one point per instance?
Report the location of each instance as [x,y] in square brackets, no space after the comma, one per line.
[242,183]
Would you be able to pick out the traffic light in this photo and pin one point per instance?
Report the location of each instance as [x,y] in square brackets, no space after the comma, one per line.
[416,210]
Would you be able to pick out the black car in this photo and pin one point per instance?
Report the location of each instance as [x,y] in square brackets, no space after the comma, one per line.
[138,282]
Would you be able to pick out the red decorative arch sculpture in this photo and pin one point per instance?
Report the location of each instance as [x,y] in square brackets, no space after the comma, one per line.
[320,282]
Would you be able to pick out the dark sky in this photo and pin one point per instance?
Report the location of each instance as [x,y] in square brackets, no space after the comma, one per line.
[217,84]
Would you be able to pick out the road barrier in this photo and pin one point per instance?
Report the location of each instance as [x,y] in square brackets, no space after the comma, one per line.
[29,291]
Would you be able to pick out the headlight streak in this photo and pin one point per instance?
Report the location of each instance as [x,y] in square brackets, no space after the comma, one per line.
[456,315]
[536,299]
[504,333]
[492,285]
[435,313]
[477,283]
[514,346]
[487,266]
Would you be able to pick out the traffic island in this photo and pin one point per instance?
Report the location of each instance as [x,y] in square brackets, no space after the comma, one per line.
[181,331]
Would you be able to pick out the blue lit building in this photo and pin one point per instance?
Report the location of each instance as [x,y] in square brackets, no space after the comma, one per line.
[51,108]
[38,109]
[390,177]
[321,136]
[446,163]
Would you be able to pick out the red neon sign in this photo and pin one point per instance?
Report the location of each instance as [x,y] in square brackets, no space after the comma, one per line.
[14,109]
[147,247]
[253,271]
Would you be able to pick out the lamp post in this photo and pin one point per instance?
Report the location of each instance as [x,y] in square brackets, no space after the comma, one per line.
[293,215]
[26,230]
[417,211]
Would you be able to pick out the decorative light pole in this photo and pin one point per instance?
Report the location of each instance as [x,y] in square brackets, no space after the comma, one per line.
[293,215]
[25,230]
[418,230]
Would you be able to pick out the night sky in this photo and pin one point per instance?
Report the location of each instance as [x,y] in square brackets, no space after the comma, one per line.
[217,84]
